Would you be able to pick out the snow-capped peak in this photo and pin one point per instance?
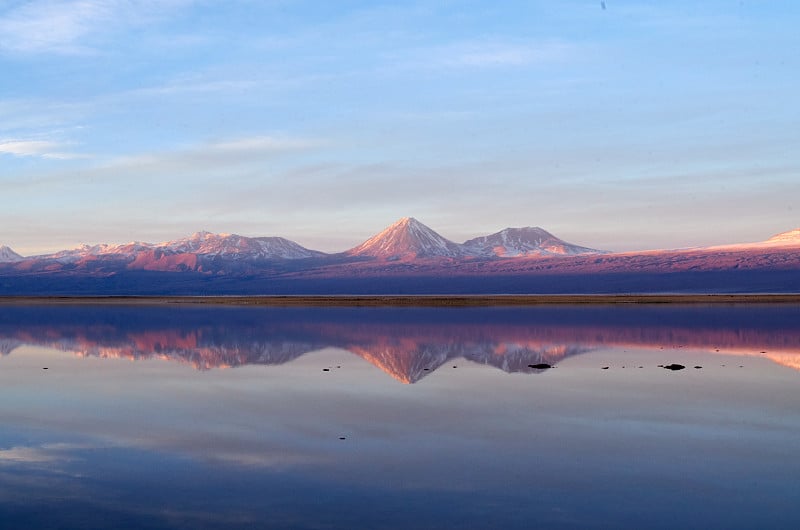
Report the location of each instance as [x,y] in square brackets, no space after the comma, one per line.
[525,241]
[103,249]
[789,238]
[9,256]
[407,238]
[200,243]
[234,245]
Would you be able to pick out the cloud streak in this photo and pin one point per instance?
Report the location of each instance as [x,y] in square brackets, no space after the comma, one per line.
[211,156]
[220,158]
[53,27]
[487,54]
[38,148]
[63,27]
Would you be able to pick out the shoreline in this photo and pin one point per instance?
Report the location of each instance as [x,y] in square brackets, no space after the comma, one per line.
[408,300]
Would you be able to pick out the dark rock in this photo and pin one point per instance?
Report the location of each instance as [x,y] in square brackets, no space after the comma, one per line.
[540,366]
[674,367]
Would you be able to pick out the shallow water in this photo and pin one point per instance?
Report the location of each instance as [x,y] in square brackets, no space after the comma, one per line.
[191,417]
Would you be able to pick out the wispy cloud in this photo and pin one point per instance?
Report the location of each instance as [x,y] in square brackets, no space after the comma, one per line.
[261,144]
[52,26]
[212,155]
[38,148]
[488,53]
[38,117]
[675,17]
[198,87]
[231,156]
[491,54]
[62,27]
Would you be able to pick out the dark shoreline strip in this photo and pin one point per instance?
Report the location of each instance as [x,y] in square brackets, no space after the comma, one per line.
[409,300]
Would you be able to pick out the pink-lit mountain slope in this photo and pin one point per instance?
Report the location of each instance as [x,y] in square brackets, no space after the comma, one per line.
[792,237]
[780,252]
[407,247]
[8,256]
[527,241]
[405,240]
[201,244]
[84,252]
[233,246]
[203,252]
[207,252]
[408,239]
[784,239]
[492,256]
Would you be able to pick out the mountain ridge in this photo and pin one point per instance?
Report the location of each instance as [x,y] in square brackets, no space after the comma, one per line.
[7,255]
[405,238]
[406,257]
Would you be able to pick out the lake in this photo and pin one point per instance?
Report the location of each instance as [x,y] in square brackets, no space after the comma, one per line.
[236,417]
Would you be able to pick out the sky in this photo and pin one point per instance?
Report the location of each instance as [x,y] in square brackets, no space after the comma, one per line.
[625,125]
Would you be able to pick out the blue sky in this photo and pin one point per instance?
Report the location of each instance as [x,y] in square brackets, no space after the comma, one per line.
[641,125]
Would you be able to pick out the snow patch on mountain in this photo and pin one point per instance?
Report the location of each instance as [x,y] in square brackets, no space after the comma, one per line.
[200,243]
[88,251]
[792,237]
[407,239]
[784,239]
[236,246]
[526,241]
[9,256]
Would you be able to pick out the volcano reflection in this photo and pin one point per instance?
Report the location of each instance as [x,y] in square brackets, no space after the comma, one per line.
[407,343]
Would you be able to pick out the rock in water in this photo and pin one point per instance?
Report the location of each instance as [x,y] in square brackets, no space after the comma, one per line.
[674,367]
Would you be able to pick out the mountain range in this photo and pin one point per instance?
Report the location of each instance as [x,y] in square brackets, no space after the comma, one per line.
[406,239]
[527,259]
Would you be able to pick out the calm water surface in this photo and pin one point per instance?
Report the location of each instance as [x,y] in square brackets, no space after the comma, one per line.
[200,417]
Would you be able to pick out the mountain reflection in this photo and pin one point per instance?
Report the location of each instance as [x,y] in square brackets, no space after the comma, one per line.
[406,343]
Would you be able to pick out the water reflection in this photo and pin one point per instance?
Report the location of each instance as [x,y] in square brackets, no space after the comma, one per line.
[406,343]
[91,443]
